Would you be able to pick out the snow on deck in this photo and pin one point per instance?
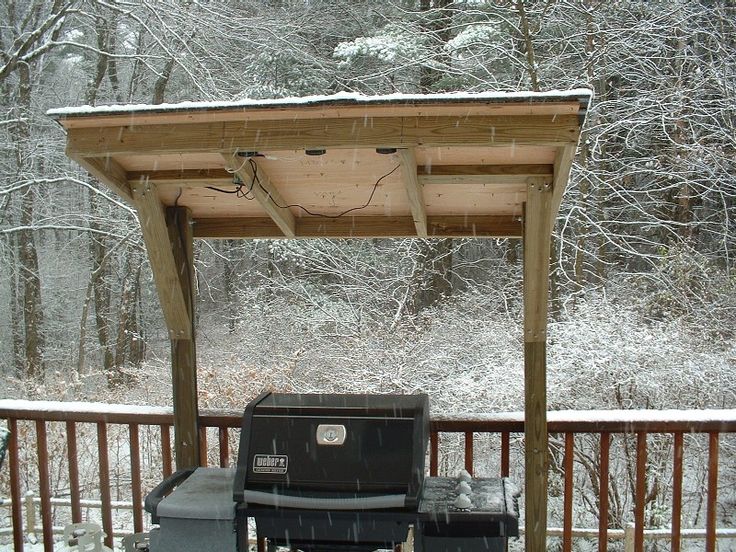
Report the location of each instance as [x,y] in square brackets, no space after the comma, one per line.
[342,98]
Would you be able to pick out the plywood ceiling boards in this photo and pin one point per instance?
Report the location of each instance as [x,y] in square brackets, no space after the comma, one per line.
[339,180]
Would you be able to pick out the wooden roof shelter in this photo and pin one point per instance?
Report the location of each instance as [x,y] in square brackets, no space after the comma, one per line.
[451,165]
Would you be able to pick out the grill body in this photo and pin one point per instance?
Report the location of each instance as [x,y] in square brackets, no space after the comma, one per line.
[333,451]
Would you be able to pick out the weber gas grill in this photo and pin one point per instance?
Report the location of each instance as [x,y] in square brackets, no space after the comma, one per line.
[332,472]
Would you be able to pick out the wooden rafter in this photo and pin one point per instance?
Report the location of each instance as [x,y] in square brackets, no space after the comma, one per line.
[413,190]
[226,137]
[562,168]
[109,172]
[163,265]
[434,174]
[264,191]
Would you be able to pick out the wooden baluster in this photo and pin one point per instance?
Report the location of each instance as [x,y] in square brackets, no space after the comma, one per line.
[224,447]
[17,506]
[71,447]
[44,485]
[677,494]
[469,452]
[104,482]
[567,500]
[135,477]
[434,445]
[711,516]
[203,446]
[505,453]
[603,493]
[166,450]
[641,490]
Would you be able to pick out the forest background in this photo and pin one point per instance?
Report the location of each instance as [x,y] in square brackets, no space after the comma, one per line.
[643,285]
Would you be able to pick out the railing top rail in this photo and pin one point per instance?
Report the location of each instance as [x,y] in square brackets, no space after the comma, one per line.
[576,421]
[596,421]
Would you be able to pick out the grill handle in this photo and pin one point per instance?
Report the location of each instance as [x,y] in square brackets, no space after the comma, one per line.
[312,503]
[163,489]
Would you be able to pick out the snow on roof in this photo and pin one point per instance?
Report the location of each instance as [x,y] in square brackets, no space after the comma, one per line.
[583,95]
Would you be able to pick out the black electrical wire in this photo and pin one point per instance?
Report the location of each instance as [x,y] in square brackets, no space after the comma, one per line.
[255,180]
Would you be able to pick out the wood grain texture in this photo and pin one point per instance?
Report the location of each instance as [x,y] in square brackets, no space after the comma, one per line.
[71,447]
[165,272]
[605,455]
[482,174]
[536,284]
[361,227]
[264,191]
[135,476]
[15,491]
[677,493]
[537,240]
[183,348]
[404,132]
[711,522]
[108,171]
[562,168]
[105,492]
[44,485]
[567,494]
[413,191]
[641,491]
[535,434]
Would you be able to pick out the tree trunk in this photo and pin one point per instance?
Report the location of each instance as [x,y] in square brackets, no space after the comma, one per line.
[431,280]
[101,291]
[27,253]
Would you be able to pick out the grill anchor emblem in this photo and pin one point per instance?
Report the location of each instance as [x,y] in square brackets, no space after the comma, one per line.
[330,434]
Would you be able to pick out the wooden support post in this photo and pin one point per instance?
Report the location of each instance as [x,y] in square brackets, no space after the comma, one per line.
[414,190]
[166,271]
[183,351]
[537,213]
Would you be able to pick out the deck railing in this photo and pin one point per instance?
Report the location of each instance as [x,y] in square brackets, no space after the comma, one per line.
[587,443]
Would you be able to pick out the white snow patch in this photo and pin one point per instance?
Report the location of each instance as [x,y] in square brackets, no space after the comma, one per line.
[616,416]
[340,97]
[21,405]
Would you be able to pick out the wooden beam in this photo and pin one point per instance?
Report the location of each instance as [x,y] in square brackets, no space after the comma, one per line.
[165,270]
[427,174]
[481,174]
[183,350]
[562,167]
[184,177]
[264,191]
[108,171]
[226,137]
[413,190]
[536,284]
[449,226]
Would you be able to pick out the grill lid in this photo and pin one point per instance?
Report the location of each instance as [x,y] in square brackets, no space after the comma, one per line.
[333,451]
